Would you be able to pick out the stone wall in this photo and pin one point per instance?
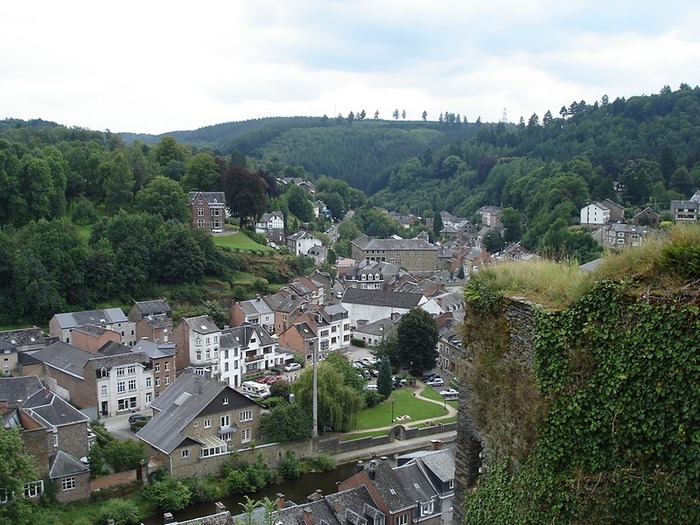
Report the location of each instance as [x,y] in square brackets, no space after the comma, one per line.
[110,480]
[519,315]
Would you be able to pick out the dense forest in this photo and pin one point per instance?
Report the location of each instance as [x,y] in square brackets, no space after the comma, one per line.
[641,151]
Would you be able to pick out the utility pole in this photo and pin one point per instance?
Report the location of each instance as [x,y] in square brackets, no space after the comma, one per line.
[314,392]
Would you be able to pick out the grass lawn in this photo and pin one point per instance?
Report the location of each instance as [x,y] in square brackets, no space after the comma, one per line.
[431,393]
[239,241]
[404,403]
[360,435]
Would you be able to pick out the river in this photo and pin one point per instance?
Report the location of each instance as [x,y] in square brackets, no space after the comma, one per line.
[295,490]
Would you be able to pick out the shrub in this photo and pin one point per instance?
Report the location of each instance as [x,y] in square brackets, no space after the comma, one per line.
[290,467]
[357,342]
[123,512]
[372,399]
[169,494]
[84,212]
[320,463]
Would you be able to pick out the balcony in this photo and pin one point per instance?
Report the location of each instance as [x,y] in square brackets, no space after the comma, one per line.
[251,358]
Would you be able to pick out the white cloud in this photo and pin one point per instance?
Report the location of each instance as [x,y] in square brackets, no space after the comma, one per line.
[160,66]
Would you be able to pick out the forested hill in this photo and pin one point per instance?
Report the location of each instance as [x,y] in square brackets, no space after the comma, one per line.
[360,152]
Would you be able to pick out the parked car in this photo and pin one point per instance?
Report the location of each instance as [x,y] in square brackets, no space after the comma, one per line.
[366,375]
[436,381]
[449,392]
[371,388]
[133,418]
[429,377]
[358,364]
[374,372]
[291,367]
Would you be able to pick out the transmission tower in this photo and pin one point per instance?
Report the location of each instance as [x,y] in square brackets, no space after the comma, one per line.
[504,118]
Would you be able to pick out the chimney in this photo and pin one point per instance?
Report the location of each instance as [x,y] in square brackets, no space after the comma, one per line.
[197,385]
[219,507]
[280,501]
[435,444]
[372,469]
[168,517]
[307,517]
[360,466]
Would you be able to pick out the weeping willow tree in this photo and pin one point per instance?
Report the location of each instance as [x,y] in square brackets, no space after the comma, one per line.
[338,403]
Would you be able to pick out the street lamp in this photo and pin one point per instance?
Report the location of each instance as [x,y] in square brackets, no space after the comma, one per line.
[392,410]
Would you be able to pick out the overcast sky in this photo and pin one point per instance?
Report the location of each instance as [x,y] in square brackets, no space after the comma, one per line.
[153,66]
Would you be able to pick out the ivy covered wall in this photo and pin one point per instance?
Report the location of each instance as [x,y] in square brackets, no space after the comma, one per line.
[585,414]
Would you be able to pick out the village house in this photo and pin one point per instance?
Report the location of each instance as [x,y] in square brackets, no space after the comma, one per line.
[197,340]
[374,334]
[373,305]
[685,211]
[197,423]
[646,217]
[112,381]
[410,254]
[153,319]
[24,339]
[62,325]
[616,235]
[54,433]
[162,358]
[253,311]
[300,243]
[207,210]
[246,351]
[272,226]
[369,275]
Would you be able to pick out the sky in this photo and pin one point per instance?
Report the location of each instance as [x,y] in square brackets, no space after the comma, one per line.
[155,66]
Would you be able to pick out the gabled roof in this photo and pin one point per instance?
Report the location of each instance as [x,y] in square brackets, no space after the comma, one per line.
[393,487]
[64,357]
[394,244]
[143,309]
[255,306]
[211,197]
[382,298]
[97,317]
[244,333]
[179,404]
[440,462]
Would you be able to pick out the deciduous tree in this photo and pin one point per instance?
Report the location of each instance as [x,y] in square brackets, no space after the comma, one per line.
[417,337]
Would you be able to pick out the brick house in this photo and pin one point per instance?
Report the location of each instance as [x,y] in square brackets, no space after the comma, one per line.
[254,311]
[207,210]
[153,319]
[62,325]
[92,337]
[53,432]
[198,422]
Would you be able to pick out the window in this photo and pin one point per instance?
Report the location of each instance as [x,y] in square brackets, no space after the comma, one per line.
[225,400]
[426,508]
[200,212]
[207,341]
[132,385]
[451,484]
[402,520]
[245,415]
[207,423]
[156,368]
[225,420]
[185,453]
[245,436]
[128,403]
[121,387]
[6,362]
[157,382]
[55,440]
[103,390]
[149,381]
[226,354]
[149,398]
[226,367]
[216,339]
[120,371]
[33,489]
[226,436]
[200,223]
[167,367]
[167,380]
[198,341]
[67,483]
[199,355]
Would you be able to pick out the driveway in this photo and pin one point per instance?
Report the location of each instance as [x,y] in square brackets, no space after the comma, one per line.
[119,426]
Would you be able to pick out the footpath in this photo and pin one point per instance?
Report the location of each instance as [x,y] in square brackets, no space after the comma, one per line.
[405,445]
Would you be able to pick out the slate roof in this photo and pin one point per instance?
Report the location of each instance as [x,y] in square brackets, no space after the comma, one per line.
[386,326]
[441,463]
[106,316]
[91,329]
[179,404]
[14,388]
[212,197]
[242,334]
[51,411]
[254,306]
[202,324]
[64,357]
[414,483]
[23,336]
[62,465]
[154,350]
[7,348]
[320,512]
[394,244]
[382,298]
[392,487]
[143,309]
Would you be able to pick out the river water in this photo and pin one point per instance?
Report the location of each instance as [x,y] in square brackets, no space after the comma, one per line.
[295,490]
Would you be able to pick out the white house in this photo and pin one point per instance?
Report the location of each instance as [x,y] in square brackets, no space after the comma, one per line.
[373,305]
[61,325]
[301,242]
[246,350]
[198,344]
[595,214]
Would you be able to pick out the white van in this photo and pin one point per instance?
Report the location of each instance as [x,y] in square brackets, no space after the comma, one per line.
[255,389]
[372,388]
